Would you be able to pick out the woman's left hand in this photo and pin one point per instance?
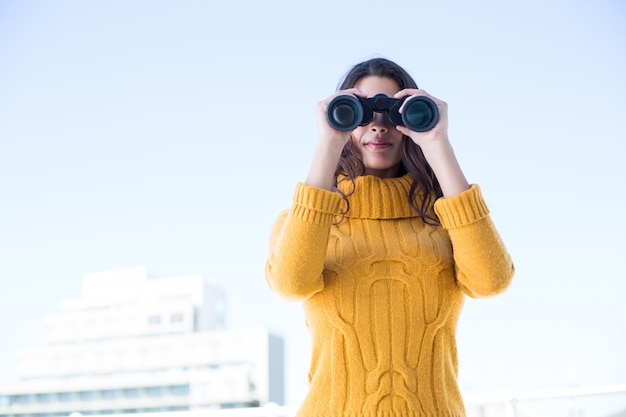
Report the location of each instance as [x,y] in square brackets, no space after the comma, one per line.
[436,147]
[435,135]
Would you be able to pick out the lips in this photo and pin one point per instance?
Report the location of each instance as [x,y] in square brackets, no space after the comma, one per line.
[378,145]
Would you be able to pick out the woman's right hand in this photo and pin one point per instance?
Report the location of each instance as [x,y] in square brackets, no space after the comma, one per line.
[330,144]
[327,135]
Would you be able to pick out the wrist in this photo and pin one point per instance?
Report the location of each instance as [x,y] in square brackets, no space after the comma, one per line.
[322,172]
[441,158]
[331,146]
[436,147]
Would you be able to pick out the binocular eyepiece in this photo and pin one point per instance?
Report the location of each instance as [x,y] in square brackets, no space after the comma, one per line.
[347,112]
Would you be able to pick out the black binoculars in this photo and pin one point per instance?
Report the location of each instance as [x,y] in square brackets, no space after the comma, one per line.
[346,112]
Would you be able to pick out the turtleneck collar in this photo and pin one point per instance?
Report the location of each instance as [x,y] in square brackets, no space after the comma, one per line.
[372,197]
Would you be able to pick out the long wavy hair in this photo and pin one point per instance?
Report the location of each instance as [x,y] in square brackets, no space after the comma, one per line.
[425,188]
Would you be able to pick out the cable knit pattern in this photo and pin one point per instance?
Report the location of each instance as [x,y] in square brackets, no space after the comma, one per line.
[382,292]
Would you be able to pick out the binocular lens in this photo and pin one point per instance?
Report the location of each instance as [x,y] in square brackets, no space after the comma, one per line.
[420,114]
[345,113]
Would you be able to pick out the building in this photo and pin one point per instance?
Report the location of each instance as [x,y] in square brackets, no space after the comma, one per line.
[135,344]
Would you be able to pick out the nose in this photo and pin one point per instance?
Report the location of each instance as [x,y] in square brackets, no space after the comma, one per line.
[379,123]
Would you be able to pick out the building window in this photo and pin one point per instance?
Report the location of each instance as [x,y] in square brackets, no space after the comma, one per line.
[65,397]
[109,394]
[44,398]
[131,393]
[177,318]
[177,408]
[4,401]
[23,399]
[154,320]
[87,395]
[155,391]
[179,390]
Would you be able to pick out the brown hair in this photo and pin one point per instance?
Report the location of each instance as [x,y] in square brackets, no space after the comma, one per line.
[425,188]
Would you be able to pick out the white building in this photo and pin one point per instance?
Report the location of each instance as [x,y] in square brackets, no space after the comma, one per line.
[134,344]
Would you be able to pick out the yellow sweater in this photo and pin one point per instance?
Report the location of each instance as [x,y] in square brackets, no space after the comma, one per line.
[382,292]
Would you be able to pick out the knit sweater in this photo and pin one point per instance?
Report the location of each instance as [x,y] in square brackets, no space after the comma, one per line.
[382,292]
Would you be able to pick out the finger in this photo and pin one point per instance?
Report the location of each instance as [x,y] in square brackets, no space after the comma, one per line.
[349,91]
[407,92]
[405,131]
[441,105]
[354,91]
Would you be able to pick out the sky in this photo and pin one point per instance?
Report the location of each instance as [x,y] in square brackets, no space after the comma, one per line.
[171,134]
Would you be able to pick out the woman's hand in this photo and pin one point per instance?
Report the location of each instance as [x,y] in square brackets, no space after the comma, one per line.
[328,136]
[329,146]
[436,147]
[438,133]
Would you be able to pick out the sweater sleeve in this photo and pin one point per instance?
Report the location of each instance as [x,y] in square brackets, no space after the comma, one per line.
[298,243]
[483,265]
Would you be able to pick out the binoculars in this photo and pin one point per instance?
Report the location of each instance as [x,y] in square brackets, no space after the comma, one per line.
[346,112]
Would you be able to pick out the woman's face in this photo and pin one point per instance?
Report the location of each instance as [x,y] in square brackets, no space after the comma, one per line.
[378,144]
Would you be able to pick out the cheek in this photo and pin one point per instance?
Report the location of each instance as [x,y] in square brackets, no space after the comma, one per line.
[357,134]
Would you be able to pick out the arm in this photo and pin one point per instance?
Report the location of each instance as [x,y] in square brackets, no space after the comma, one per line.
[298,243]
[299,238]
[329,146]
[483,266]
[437,148]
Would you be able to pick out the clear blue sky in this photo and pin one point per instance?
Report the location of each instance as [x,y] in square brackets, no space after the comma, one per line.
[171,133]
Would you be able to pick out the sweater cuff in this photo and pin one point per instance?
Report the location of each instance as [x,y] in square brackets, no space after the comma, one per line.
[462,209]
[315,205]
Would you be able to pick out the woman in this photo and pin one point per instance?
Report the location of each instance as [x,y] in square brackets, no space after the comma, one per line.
[382,242]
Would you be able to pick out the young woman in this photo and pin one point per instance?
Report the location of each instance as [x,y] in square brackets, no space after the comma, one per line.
[382,242]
